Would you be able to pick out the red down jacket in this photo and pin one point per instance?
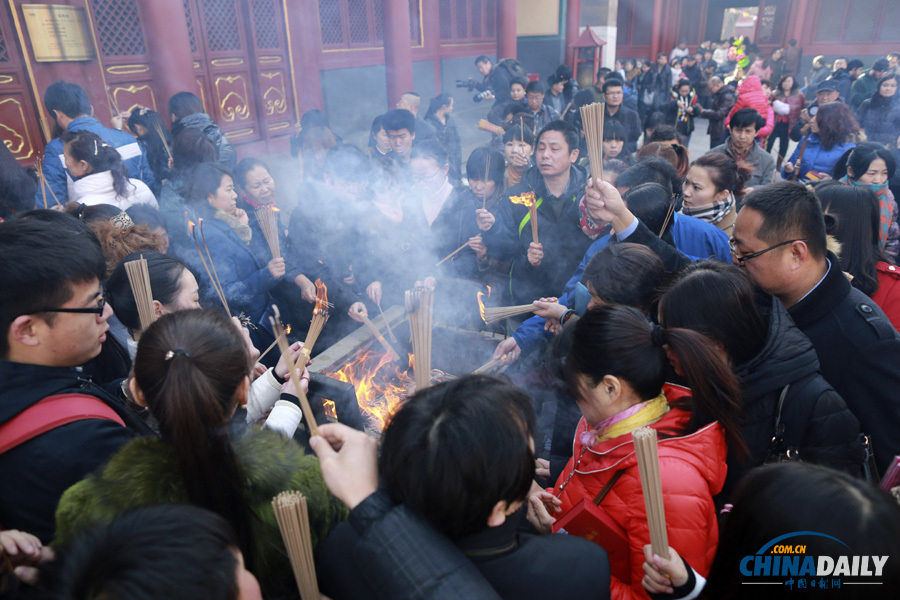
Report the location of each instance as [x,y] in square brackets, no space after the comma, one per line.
[751,95]
[692,470]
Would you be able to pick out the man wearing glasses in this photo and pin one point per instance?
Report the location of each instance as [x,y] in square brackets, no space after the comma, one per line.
[56,426]
[779,241]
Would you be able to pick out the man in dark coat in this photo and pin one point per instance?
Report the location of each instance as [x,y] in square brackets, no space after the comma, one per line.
[556,185]
[863,88]
[613,93]
[55,320]
[723,99]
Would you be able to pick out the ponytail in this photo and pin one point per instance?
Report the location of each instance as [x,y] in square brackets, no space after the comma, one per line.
[91,148]
[618,340]
[715,391]
[189,366]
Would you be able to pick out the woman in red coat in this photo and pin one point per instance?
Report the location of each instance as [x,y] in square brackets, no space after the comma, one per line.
[616,367]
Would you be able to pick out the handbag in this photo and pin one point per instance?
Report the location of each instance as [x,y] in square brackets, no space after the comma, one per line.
[778,451]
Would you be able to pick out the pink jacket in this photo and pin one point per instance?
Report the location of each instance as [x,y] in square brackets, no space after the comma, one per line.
[751,95]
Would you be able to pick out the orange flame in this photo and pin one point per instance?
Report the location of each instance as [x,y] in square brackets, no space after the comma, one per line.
[274,208]
[321,297]
[481,303]
[287,330]
[526,199]
[330,408]
[191,226]
[379,390]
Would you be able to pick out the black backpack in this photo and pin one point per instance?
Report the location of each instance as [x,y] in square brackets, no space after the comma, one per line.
[513,67]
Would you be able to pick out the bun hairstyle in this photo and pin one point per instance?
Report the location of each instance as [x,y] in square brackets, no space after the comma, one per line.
[189,367]
[674,154]
[91,148]
[725,173]
[619,341]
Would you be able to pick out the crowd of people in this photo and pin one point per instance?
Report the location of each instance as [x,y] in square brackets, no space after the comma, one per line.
[745,306]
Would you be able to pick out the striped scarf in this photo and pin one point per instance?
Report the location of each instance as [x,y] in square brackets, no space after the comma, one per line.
[885,206]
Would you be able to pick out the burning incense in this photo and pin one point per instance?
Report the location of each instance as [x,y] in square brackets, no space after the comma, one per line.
[454,253]
[213,281]
[420,307]
[592,120]
[648,465]
[486,125]
[384,344]
[320,315]
[528,200]
[268,222]
[44,184]
[281,338]
[669,214]
[112,101]
[139,279]
[497,313]
[292,515]
[487,171]
[387,325]
[287,331]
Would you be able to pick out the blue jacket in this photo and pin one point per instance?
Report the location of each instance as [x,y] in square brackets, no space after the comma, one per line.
[57,175]
[694,237]
[816,157]
[245,280]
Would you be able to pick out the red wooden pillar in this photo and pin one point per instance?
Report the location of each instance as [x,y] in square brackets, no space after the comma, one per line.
[798,21]
[573,22]
[169,48]
[305,40]
[506,29]
[397,51]
[656,29]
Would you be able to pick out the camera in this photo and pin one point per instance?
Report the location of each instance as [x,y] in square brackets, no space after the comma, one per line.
[469,83]
[481,96]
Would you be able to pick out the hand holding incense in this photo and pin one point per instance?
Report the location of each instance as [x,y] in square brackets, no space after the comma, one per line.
[592,119]
[454,253]
[486,125]
[497,313]
[320,315]
[648,464]
[285,348]
[292,515]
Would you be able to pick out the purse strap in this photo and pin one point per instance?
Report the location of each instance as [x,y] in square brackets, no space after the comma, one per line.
[776,445]
[609,486]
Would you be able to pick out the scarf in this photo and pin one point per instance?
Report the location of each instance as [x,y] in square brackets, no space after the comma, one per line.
[644,413]
[885,206]
[738,157]
[243,231]
[591,228]
[711,213]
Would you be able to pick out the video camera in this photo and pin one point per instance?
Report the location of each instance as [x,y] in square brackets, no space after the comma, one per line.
[470,84]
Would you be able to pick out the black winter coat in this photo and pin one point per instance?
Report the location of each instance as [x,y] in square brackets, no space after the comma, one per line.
[561,236]
[859,351]
[722,101]
[880,118]
[203,122]
[816,420]
[35,474]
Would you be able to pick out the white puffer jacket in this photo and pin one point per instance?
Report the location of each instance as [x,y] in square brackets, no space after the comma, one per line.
[97,188]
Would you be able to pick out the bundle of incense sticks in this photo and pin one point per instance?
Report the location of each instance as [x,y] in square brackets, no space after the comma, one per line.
[292,515]
[527,199]
[648,465]
[139,278]
[44,184]
[210,267]
[454,253]
[387,325]
[268,222]
[669,214]
[497,313]
[592,120]
[377,334]
[420,307]
[486,125]
[490,365]
[285,349]
[320,315]
[162,137]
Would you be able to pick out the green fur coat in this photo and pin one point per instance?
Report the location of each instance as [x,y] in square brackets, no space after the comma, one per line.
[146,471]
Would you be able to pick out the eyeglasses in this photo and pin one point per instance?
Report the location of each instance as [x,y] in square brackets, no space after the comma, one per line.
[96,310]
[746,257]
